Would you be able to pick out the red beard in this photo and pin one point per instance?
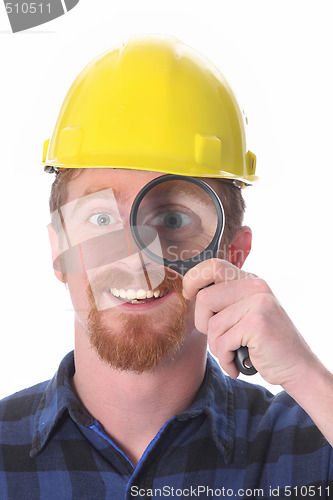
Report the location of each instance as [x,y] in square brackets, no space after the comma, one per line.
[139,342]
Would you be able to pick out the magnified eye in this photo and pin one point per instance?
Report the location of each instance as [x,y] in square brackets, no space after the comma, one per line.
[172,220]
[102,219]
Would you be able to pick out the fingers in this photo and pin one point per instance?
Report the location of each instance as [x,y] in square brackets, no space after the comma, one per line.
[232,328]
[210,271]
[239,309]
[223,346]
[221,296]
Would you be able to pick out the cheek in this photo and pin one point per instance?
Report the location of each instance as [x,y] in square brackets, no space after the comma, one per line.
[77,286]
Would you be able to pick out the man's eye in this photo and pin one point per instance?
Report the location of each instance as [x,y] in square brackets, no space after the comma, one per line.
[102,219]
[172,220]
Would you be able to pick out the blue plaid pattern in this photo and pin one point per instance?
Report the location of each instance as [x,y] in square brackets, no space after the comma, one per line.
[236,440]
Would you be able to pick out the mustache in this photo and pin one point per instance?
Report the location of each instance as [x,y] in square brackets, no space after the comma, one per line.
[163,279]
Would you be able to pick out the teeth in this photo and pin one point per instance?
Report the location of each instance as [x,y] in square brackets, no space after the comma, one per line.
[141,294]
[133,295]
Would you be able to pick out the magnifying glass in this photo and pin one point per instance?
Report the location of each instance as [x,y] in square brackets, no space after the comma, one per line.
[188,218]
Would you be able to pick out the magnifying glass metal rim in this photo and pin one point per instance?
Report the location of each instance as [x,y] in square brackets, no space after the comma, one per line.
[181,266]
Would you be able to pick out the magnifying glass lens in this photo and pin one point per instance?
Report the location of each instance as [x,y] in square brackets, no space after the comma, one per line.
[183,215]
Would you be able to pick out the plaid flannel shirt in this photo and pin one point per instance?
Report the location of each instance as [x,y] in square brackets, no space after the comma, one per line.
[235,440]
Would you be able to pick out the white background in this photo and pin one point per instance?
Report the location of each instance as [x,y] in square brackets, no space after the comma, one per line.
[277,57]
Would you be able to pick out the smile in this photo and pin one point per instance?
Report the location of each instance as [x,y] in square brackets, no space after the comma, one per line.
[137,296]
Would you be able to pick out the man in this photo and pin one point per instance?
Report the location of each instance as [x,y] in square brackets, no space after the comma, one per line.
[140,411]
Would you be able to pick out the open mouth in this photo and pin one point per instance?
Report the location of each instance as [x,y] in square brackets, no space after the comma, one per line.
[140,296]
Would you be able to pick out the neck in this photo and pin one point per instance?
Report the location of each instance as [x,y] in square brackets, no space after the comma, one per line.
[131,407]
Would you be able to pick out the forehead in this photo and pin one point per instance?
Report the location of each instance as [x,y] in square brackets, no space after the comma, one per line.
[125,182]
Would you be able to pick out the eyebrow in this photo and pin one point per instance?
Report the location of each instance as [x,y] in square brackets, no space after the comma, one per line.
[185,188]
[101,193]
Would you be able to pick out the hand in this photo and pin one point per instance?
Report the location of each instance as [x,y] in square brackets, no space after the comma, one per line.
[239,309]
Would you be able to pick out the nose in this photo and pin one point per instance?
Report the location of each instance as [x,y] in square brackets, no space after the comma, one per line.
[132,247]
[137,259]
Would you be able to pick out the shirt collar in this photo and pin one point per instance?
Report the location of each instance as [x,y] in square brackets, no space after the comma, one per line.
[215,398]
[56,400]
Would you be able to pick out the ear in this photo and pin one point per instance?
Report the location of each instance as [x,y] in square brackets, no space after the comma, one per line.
[240,246]
[54,241]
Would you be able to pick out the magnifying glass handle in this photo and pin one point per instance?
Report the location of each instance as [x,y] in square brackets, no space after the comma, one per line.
[243,362]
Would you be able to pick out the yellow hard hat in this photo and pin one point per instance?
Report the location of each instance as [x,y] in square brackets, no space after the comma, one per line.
[155,104]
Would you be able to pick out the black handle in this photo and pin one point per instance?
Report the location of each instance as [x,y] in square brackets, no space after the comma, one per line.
[243,362]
